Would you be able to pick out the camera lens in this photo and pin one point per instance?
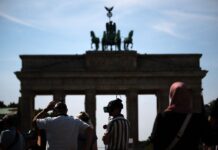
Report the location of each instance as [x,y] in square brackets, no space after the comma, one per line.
[105,109]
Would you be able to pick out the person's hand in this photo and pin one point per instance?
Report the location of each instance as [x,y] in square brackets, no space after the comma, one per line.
[50,106]
[43,113]
[105,138]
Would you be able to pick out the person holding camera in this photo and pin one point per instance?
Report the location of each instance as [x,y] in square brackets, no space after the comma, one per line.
[62,131]
[116,136]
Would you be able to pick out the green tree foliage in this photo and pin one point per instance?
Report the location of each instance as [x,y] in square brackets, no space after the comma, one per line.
[2,104]
[13,104]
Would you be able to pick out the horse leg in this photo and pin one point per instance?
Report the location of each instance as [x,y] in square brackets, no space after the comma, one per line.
[114,47]
[105,47]
[97,46]
[131,45]
[102,45]
[117,46]
[125,46]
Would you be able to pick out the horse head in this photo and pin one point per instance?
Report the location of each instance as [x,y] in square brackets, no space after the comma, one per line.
[92,33]
[131,33]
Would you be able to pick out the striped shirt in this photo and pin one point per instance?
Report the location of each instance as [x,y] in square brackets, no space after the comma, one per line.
[118,130]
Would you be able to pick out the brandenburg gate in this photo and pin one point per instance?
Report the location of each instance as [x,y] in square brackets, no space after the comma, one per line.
[107,72]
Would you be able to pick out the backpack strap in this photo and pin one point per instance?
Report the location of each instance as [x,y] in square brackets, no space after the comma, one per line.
[180,132]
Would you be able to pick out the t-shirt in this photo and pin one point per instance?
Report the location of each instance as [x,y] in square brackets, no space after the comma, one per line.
[167,125]
[7,138]
[61,131]
[118,130]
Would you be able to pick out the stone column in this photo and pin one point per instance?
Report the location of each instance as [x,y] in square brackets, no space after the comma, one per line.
[197,100]
[132,114]
[59,96]
[162,99]
[26,110]
[90,105]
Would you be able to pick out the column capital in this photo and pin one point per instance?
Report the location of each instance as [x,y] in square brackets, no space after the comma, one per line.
[133,90]
[90,91]
[163,90]
[28,93]
[131,93]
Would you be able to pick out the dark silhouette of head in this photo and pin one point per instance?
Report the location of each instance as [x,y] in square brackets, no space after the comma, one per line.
[60,108]
[180,98]
[114,107]
[84,116]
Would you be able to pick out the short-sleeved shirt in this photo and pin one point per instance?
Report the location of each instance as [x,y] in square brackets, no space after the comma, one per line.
[61,131]
[8,138]
[118,130]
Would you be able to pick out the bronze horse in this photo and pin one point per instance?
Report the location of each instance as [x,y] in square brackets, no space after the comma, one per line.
[95,40]
[128,40]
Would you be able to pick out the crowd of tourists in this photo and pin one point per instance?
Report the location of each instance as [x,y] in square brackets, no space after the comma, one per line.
[178,127]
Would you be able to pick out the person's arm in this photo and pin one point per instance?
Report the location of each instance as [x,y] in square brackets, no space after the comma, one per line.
[94,146]
[106,138]
[89,133]
[42,113]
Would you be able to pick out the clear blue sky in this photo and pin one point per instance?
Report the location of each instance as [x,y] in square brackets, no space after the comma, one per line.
[63,27]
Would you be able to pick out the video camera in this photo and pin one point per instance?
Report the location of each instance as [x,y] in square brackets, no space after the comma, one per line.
[117,103]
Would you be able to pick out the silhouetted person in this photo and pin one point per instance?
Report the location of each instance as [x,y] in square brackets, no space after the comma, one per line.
[116,136]
[169,123]
[213,120]
[82,138]
[62,131]
[11,138]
